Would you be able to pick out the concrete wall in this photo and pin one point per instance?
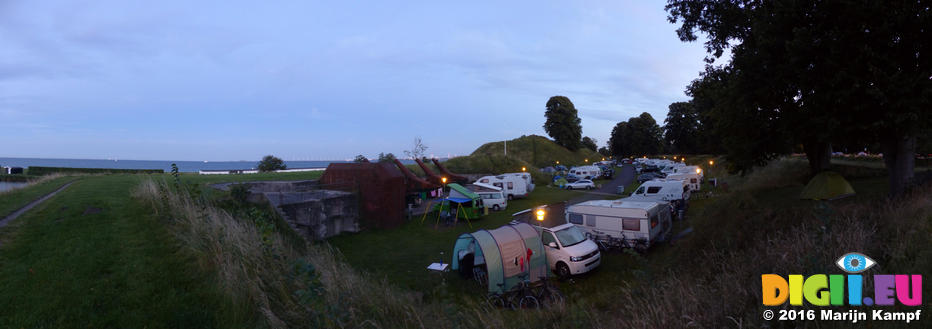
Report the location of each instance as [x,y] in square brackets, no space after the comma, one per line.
[314,213]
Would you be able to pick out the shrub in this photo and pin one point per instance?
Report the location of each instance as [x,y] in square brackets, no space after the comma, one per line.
[271,163]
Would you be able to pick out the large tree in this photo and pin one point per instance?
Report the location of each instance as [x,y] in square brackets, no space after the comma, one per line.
[589,143]
[563,124]
[271,163]
[813,73]
[638,136]
[681,128]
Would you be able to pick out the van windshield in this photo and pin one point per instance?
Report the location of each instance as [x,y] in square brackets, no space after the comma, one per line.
[570,236]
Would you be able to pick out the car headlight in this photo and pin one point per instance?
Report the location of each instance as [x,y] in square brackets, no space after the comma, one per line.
[575,259]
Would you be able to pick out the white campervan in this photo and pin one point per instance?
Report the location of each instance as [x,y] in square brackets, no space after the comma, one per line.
[512,186]
[527,179]
[689,169]
[676,192]
[568,250]
[586,172]
[692,180]
[648,222]
[492,196]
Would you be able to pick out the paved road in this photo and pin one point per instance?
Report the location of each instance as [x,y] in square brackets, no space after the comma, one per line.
[623,176]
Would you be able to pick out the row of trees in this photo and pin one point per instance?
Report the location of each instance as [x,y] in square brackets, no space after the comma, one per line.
[813,74]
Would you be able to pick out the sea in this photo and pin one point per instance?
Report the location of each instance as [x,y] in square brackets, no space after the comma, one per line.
[184,166]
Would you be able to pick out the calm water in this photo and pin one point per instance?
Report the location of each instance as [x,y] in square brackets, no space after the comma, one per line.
[6,186]
[186,166]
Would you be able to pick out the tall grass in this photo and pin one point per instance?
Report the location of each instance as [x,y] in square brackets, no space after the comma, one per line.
[37,181]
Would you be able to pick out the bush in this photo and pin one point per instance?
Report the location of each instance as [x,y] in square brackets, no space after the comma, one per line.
[271,163]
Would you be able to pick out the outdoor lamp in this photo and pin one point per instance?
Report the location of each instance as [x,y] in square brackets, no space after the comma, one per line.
[444,180]
[698,170]
[540,215]
[523,169]
[711,162]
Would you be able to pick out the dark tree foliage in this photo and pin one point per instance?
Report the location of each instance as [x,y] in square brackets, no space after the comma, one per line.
[271,163]
[604,150]
[589,143]
[638,136]
[816,73]
[361,158]
[563,124]
[681,129]
[383,157]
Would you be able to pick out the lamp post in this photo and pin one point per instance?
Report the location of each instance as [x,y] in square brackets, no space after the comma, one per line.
[444,186]
[540,216]
[523,168]
[711,163]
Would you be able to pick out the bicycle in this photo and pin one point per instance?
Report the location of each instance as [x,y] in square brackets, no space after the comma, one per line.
[518,297]
[548,294]
[639,245]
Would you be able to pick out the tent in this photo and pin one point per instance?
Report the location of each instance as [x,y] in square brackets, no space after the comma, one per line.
[827,185]
[461,201]
[509,254]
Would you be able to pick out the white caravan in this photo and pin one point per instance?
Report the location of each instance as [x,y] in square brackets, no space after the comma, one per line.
[512,186]
[690,169]
[586,172]
[492,196]
[647,222]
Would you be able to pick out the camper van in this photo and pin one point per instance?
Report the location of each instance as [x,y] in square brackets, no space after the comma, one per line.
[527,179]
[513,186]
[689,169]
[586,172]
[614,220]
[692,180]
[676,192]
[492,196]
[568,250]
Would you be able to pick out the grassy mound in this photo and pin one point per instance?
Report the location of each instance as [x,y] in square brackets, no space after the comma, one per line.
[533,152]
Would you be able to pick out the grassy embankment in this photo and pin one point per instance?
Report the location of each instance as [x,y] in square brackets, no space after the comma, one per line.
[15,199]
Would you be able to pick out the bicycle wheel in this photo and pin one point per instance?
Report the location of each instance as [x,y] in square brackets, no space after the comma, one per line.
[529,302]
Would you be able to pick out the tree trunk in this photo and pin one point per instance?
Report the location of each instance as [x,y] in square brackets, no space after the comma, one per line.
[819,155]
[899,156]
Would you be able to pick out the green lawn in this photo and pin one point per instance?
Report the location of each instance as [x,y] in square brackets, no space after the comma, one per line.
[12,200]
[93,257]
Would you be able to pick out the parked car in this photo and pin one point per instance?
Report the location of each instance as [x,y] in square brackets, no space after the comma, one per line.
[649,176]
[581,184]
[568,251]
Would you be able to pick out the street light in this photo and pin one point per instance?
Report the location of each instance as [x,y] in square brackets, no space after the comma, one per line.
[587,160]
[523,169]
[540,215]
[711,163]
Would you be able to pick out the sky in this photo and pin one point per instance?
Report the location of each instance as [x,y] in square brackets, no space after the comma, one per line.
[311,80]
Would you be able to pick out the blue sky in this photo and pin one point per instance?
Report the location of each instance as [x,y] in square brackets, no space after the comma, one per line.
[230,80]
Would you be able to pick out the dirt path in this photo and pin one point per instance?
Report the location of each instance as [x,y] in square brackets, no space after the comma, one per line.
[28,206]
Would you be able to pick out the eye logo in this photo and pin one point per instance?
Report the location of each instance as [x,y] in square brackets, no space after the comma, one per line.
[854,262]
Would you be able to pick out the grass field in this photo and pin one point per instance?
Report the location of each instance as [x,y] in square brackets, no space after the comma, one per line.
[93,257]
[11,201]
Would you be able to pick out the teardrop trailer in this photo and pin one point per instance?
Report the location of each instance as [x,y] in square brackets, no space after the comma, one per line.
[507,261]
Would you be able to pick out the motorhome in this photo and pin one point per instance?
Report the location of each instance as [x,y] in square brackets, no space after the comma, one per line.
[586,172]
[676,192]
[689,169]
[492,196]
[693,180]
[513,186]
[614,220]
[527,179]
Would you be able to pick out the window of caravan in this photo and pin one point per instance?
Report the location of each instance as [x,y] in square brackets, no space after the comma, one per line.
[484,181]
[590,220]
[498,185]
[653,189]
[631,224]
[639,191]
[576,219]
[692,181]
[511,185]
[654,221]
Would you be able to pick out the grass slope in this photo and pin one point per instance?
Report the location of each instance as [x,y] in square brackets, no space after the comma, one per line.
[12,200]
[93,257]
[533,152]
